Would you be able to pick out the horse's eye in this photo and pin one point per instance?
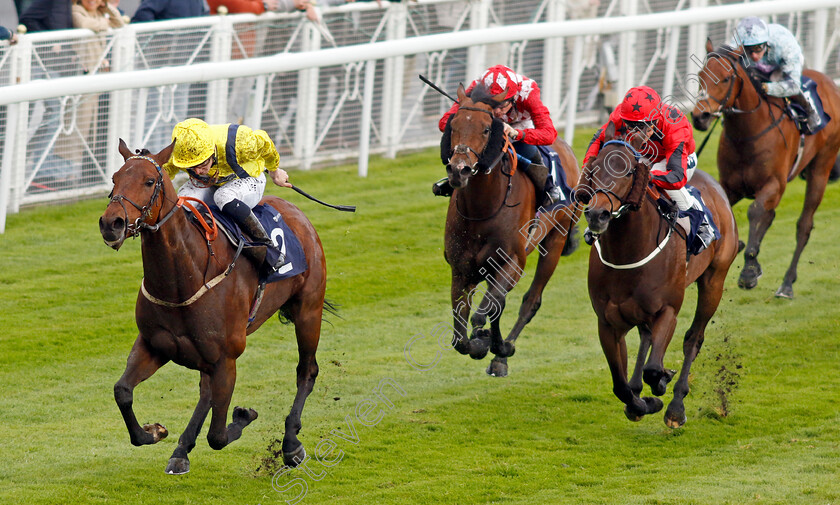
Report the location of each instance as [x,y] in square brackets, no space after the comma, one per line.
[150,182]
[727,79]
[487,130]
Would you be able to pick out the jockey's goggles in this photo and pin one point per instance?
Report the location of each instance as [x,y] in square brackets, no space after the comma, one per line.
[637,125]
[757,48]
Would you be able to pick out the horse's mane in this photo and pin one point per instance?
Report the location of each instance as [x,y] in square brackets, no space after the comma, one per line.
[480,93]
[144,152]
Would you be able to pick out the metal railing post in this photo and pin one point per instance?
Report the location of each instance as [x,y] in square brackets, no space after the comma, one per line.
[120,111]
[392,81]
[217,91]
[553,60]
[307,98]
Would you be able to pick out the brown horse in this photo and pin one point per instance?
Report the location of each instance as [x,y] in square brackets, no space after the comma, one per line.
[638,273]
[194,306]
[758,152]
[490,215]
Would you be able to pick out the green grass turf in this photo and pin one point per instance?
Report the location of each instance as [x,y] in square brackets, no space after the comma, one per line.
[762,414]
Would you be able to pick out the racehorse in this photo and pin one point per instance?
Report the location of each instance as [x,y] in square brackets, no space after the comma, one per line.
[194,304]
[638,272]
[758,151]
[490,214]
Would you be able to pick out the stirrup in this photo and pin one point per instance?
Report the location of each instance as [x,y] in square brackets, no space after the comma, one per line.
[552,196]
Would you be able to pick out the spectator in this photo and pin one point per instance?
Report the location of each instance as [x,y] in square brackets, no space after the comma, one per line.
[44,15]
[97,16]
[45,148]
[163,108]
[6,34]
[157,10]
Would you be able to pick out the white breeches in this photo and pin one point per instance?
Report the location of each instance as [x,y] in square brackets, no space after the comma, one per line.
[681,196]
[249,191]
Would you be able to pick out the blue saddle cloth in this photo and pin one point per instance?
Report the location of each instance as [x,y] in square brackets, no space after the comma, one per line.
[809,89]
[280,234]
[555,171]
[699,238]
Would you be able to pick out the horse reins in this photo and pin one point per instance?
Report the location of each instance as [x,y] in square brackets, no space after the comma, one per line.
[625,207]
[507,149]
[723,110]
[210,234]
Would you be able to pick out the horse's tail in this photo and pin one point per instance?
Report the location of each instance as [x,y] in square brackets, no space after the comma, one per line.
[332,308]
[285,316]
[572,242]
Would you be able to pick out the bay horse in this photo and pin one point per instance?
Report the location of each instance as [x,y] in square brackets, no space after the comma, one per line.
[187,318]
[757,156]
[638,272]
[491,212]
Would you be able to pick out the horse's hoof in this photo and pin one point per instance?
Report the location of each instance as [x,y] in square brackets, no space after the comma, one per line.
[504,350]
[178,466]
[749,277]
[478,348]
[785,292]
[660,387]
[497,369]
[631,416]
[653,404]
[157,431]
[294,458]
[243,416]
[674,420]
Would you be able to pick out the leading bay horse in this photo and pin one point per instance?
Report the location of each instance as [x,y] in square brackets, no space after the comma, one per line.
[194,304]
[638,272]
[758,150]
[490,215]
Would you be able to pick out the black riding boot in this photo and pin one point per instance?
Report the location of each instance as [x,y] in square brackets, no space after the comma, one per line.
[252,226]
[538,173]
[813,117]
[442,188]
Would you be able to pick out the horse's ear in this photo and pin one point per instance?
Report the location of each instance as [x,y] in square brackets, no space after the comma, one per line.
[609,133]
[462,93]
[163,156]
[709,47]
[500,97]
[124,150]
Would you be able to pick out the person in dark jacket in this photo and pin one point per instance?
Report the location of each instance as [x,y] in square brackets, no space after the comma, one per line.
[44,15]
[6,34]
[157,10]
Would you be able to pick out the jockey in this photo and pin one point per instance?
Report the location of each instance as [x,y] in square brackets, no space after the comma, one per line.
[226,163]
[526,122]
[670,148]
[773,47]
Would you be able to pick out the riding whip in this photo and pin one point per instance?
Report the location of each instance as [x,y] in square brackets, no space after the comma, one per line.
[435,87]
[344,208]
[699,151]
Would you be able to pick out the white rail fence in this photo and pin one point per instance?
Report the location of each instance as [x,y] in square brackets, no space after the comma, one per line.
[62,110]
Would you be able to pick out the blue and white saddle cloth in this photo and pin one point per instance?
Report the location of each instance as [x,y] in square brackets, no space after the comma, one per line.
[280,234]
[702,228]
[809,89]
[555,171]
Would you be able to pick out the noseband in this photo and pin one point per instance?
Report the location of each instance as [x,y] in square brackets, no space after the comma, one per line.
[133,229]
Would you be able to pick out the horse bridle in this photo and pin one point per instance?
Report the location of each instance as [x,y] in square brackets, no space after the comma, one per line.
[722,108]
[623,208]
[465,149]
[133,229]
